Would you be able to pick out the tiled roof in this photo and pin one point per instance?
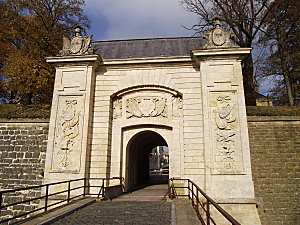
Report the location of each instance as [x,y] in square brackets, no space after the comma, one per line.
[141,48]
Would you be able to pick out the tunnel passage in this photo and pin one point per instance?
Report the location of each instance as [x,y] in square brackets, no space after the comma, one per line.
[138,152]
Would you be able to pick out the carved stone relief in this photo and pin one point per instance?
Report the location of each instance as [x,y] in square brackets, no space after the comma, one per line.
[177,106]
[146,107]
[117,108]
[225,121]
[217,37]
[78,45]
[226,132]
[67,135]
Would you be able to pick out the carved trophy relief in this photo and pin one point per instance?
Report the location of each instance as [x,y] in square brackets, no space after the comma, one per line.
[67,135]
[146,107]
[77,45]
[177,106]
[226,130]
[117,108]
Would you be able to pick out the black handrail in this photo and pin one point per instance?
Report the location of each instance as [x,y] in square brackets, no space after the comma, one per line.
[193,195]
[85,186]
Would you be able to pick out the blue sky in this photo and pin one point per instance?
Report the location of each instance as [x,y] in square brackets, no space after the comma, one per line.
[133,19]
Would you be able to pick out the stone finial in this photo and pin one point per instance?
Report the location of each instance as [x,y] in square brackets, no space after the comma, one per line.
[78,45]
[217,37]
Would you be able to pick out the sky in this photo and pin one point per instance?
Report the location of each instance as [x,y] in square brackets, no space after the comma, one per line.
[135,19]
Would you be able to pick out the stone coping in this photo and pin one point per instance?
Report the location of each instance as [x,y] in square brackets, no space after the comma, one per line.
[272,118]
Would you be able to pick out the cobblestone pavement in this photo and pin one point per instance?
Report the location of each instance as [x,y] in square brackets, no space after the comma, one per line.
[127,212]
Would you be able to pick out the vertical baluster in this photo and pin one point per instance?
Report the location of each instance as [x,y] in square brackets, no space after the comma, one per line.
[46,197]
[69,191]
[169,189]
[207,213]
[193,203]
[84,186]
[197,199]
[189,192]
[1,199]
[103,188]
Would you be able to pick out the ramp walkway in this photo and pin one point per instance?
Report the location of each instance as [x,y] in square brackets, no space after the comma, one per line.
[145,206]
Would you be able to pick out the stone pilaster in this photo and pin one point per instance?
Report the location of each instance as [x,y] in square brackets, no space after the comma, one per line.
[68,149]
[227,153]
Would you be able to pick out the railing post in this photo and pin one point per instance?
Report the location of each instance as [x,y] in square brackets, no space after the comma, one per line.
[189,190]
[197,199]
[84,186]
[169,189]
[192,193]
[69,191]
[1,199]
[103,188]
[207,214]
[46,197]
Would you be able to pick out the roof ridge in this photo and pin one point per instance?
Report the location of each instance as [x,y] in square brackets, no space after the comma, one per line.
[145,39]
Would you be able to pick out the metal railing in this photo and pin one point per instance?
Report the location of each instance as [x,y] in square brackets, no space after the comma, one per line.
[63,196]
[194,193]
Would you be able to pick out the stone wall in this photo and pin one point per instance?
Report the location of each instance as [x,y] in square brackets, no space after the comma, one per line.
[22,158]
[275,158]
[275,154]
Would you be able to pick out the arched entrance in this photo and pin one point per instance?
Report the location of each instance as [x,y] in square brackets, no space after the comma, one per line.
[138,151]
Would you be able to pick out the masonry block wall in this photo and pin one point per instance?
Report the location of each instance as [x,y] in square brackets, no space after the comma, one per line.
[275,159]
[22,159]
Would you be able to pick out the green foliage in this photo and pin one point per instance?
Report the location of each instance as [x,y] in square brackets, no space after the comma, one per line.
[24,111]
[273,111]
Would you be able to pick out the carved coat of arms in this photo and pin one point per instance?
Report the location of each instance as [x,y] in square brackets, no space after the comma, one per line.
[146,107]
[217,37]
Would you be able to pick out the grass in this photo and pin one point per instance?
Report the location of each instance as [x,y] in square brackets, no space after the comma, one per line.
[11,111]
[22,111]
[273,111]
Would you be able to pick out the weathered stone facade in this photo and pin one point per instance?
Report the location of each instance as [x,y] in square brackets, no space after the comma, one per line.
[275,159]
[22,159]
[112,107]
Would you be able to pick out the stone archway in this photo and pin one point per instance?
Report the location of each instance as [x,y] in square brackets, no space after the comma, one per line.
[138,151]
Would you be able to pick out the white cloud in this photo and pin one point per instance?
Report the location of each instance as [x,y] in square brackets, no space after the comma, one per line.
[138,18]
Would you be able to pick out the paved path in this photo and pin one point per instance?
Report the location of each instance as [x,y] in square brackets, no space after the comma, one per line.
[150,193]
[143,207]
[134,213]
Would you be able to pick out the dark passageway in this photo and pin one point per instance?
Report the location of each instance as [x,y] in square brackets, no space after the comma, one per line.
[138,152]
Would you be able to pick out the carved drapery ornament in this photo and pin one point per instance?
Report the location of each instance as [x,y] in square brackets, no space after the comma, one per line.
[146,107]
[78,45]
[226,130]
[217,37]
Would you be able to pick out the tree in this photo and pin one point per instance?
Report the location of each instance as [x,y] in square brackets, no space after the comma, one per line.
[244,18]
[282,37]
[30,31]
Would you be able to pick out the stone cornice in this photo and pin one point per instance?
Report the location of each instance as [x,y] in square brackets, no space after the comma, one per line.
[162,59]
[74,59]
[220,53]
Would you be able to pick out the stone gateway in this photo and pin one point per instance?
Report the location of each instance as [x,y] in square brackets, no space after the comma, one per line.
[112,107]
